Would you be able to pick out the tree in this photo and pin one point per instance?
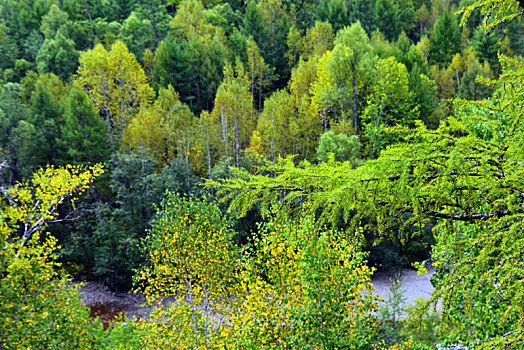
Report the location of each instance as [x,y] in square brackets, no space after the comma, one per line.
[340,146]
[466,171]
[363,11]
[274,125]
[294,286]
[486,47]
[190,255]
[268,23]
[38,144]
[407,16]
[205,48]
[319,39]
[52,21]
[307,287]
[304,127]
[12,112]
[59,56]
[154,12]
[137,35]
[38,308]
[390,103]
[258,71]
[117,85]
[354,60]
[83,134]
[387,19]
[445,40]
[22,19]
[172,67]
[233,107]
[471,88]
[424,90]
[334,12]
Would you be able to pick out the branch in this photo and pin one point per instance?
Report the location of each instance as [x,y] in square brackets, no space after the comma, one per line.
[470,217]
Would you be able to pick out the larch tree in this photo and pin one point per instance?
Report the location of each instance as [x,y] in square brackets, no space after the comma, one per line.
[445,40]
[466,171]
[466,175]
[274,125]
[390,102]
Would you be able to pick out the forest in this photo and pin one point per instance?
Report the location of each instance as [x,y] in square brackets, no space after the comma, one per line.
[256,162]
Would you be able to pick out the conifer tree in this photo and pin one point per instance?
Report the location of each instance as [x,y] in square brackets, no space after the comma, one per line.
[83,134]
[445,40]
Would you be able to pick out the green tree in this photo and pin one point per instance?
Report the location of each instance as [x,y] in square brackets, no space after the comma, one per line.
[52,21]
[387,19]
[137,35]
[192,62]
[155,16]
[424,90]
[308,287]
[259,72]
[390,103]
[407,15]
[304,127]
[486,47]
[466,171]
[190,255]
[233,108]
[83,134]
[275,125]
[340,146]
[352,63]
[172,67]
[58,56]
[471,88]
[445,40]
[334,12]
[363,11]
[268,23]
[12,111]
[38,140]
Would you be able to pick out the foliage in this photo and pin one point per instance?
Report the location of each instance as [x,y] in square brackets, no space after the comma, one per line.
[445,40]
[307,288]
[39,310]
[450,174]
[294,286]
[83,134]
[116,84]
[340,146]
[390,311]
[168,91]
[190,257]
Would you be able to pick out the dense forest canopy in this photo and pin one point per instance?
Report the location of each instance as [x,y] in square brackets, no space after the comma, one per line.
[342,135]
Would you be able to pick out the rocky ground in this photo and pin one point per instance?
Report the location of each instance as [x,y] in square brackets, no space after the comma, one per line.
[107,304]
[413,285]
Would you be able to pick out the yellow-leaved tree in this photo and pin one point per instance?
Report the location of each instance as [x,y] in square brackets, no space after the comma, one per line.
[294,287]
[302,288]
[117,85]
[191,258]
[38,310]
